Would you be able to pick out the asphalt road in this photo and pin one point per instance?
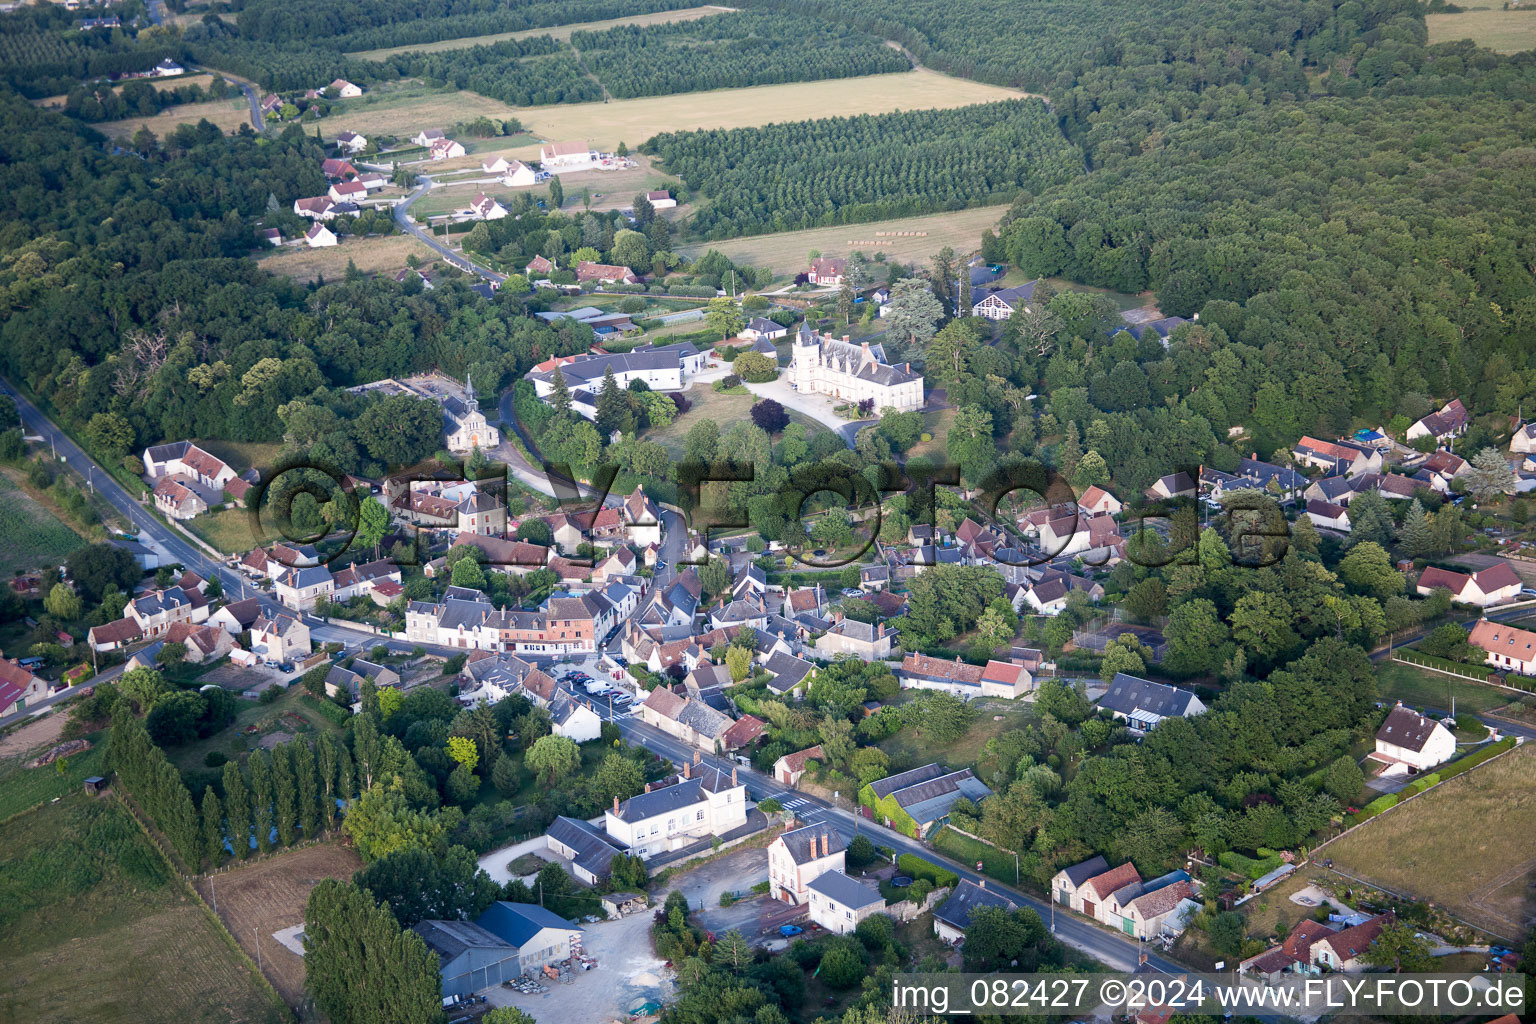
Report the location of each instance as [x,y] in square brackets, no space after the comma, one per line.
[1113,949]
[407,223]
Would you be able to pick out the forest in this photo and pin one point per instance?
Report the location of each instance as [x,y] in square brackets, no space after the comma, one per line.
[525,73]
[844,170]
[730,51]
[345,26]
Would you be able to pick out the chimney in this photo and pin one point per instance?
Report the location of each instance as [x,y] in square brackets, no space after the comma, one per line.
[647,789]
[687,770]
[615,805]
[733,777]
[696,757]
[848,341]
[866,348]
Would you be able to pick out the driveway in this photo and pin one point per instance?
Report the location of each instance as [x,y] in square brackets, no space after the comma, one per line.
[817,407]
[627,974]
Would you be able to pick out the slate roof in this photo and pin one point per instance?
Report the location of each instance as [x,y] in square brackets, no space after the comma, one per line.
[883,788]
[1128,693]
[788,671]
[661,801]
[595,849]
[1407,728]
[517,923]
[798,841]
[956,911]
[845,891]
[1077,874]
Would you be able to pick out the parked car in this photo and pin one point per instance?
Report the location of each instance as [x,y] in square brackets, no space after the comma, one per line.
[790,930]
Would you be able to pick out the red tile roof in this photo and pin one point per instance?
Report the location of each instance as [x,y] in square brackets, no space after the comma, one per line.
[1103,886]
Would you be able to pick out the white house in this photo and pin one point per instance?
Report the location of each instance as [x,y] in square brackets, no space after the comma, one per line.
[319,236]
[185,459]
[345,89]
[1409,738]
[566,155]
[705,802]
[348,191]
[315,208]
[427,136]
[1328,516]
[444,149]
[574,720]
[1493,585]
[485,208]
[518,175]
[839,903]
[661,200]
[827,271]
[1450,421]
[352,142]
[1096,501]
[1524,440]
[852,373]
[1003,303]
[798,857]
[1506,647]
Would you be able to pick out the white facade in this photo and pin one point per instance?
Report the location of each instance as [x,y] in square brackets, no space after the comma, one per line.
[693,815]
[846,372]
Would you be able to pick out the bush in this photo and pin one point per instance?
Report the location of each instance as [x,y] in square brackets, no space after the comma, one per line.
[1473,760]
[271,694]
[916,867]
[214,759]
[1376,806]
[334,713]
[1248,866]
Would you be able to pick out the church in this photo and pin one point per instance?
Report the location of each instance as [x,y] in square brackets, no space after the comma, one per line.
[464,425]
[839,369]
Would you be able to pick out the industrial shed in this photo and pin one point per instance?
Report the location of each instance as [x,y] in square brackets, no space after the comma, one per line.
[472,958]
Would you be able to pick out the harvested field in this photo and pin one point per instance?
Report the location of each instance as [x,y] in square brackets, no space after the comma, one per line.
[96,929]
[920,238]
[404,111]
[561,32]
[43,732]
[1500,31]
[228,114]
[1482,822]
[371,255]
[256,900]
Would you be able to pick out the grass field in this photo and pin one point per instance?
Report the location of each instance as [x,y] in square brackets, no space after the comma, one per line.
[228,114]
[256,900]
[404,110]
[1414,686]
[22,788]
[1501,31]
[234,742]
[34,536]
[561,32]
[785,252]
[228,530]
[371,255]
[241,455]
[1481,822]
[96,929]
[724,409]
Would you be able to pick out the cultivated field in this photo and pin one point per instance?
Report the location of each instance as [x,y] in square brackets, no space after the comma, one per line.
[228,114]
[380,252]
[96,929]
[785,252]
[1501,31]
[1481,822]
[34,536]
[405,111]
[561,32]
[605,125]
[268,896]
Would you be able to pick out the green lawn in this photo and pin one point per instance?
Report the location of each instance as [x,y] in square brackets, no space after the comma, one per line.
[22,788]
[725,409]
[228,530]
[97,929]
[242,455]
[35,537]
[1412,685]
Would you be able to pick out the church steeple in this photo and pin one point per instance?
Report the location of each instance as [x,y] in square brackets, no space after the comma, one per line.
[469,390]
